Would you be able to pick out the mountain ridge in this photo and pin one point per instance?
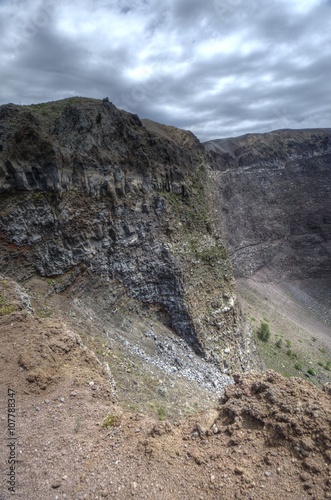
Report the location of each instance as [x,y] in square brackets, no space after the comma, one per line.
[87,188]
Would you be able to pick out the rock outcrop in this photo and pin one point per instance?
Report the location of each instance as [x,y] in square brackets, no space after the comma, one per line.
[85,186]
[274,202]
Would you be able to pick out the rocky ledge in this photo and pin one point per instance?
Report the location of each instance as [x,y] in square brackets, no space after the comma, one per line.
[88,190]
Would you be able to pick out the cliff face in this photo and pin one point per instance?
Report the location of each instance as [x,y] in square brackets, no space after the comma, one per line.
[89,190]
[274,202]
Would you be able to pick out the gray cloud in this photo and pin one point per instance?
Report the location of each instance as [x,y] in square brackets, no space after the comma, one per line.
[218,67]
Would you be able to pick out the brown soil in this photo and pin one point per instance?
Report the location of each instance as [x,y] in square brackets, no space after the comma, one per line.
[269,437]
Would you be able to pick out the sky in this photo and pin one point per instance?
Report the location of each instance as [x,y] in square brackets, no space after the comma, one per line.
[220,68]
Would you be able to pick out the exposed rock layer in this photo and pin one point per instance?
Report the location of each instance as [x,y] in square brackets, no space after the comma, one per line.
[86,186]
[274,202]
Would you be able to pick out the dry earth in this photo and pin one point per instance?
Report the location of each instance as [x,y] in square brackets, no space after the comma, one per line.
[269,437]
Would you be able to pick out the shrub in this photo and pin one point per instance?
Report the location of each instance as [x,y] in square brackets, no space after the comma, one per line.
[111,421]
[311,372]
[291,354]
[7,309]
[279,343]
[263,332]
[328,366]
[161,413]
[298,366]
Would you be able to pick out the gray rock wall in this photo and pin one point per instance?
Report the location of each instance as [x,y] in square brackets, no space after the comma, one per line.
[275,202]
[85,185]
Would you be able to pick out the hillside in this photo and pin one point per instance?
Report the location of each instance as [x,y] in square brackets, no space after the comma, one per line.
[275,212]
[135,265]
[274,202]
[88,191]
[266,437]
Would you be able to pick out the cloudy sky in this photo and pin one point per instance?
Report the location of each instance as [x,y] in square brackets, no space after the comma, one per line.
[220,68]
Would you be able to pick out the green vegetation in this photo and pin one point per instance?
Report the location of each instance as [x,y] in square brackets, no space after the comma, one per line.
[5,308]
[212,255]
[263,332]
[78,424]
[161,413]
[291,354]
[276,354]
[44,312]
[191,208]
[49,111]
[111,421]
[3,295]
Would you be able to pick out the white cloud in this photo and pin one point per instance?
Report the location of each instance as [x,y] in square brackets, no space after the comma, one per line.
[217,67]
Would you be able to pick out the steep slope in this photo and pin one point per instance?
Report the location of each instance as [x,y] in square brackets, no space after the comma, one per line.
[102,204]
[266,437]
[275,202]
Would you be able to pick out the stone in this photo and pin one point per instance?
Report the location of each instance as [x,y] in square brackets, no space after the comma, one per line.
[269,178]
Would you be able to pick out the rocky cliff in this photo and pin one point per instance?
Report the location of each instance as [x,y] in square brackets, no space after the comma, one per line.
[90,191]
[274,202]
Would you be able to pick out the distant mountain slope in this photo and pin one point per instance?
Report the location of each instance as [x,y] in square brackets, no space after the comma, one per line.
[275,202]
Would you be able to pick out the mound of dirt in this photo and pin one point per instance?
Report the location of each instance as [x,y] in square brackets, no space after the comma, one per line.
[39,354]
[289,413]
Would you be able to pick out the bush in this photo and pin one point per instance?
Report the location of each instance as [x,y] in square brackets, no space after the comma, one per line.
[263,332]
[111,421]
[161,413]
[298,366]
[279,343]
[311,372]
[328,366]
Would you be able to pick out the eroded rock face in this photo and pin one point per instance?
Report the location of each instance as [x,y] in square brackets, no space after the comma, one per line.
[275,202]
[86,186]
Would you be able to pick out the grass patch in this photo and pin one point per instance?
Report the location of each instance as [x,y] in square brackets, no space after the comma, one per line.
[44,312]
[78,424]
[161,413]
[111,421]
[7,309]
